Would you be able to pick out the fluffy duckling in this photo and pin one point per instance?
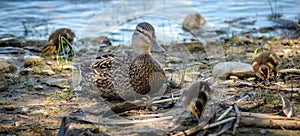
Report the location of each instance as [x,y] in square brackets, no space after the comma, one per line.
[195,97]
[128,74]
[193,21]
[264,64]
[56,38]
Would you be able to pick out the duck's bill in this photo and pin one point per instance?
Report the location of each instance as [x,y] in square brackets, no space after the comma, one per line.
[267,82]
[156,46]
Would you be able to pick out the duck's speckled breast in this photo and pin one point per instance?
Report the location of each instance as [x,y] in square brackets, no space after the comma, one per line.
[147,75]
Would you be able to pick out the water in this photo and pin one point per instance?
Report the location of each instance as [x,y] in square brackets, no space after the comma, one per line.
[36,19]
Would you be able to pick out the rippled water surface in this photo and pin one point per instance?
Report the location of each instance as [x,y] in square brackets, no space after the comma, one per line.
[117,19]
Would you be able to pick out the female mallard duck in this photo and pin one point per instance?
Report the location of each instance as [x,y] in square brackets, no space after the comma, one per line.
[127,75]
[264,64]
[58,41]
[195,97]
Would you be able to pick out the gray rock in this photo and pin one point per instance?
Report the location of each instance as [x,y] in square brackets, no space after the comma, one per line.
[48,72]
[33,61]
[57,82]
[26,71]
[225,69]
[6,67]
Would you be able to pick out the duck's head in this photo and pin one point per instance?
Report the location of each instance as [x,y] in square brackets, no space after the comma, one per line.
[144,38]
[62,35]
[264,73]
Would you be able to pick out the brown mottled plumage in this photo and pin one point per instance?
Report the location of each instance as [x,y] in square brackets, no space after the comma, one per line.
[195,97]
[54,41]
[129,74]
[264,64]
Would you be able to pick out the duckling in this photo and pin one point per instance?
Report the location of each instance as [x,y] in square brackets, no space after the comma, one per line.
[56,38]
[264,64]
[195,97]
[128,74]
[193,21]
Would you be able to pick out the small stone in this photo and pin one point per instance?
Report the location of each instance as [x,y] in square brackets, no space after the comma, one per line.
[48,72]
[33,61]
[42,112]
[174,60]
[19,123]
[225,69]
[26,71]
[69,67]
[50,62]
[25,109]
[38,88]
[57,82]
[263,131]
[6,67]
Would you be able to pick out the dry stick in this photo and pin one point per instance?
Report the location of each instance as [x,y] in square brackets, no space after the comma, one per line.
[139,121]
[238,118]
[225,113]
[218,123]
[95,120]
[290,71]
[269,121]
[280,87]
[188,132]
[166,100]
[199,127]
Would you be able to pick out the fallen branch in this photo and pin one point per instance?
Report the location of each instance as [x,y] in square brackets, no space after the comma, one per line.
[218,123]
[128,122]
[238,118]
[269,121]
[289,71]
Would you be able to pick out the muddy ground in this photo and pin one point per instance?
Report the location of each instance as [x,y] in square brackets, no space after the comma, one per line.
[36,94]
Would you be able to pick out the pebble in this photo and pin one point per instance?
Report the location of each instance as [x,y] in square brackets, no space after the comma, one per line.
[57,82]
[26,71]
[33,60]
[6,67]
[48,72]
[25,109]
[19,123]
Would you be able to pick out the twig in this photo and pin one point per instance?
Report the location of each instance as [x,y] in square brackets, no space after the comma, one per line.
[91,119]
[218,123]
[225,113]
[138,121]
[166,100]
[192,130]
[238,117]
